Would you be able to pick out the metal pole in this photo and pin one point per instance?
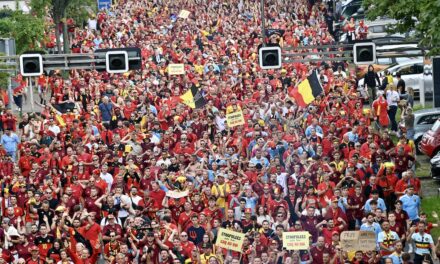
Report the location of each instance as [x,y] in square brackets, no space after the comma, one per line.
[263,24]
[422,90]
[31,94]
[11,105]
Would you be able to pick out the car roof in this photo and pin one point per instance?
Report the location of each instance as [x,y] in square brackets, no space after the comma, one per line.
[380,22]
[423,112]
[406,63]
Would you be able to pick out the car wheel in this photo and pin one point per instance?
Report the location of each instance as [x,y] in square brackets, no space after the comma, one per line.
[416,142]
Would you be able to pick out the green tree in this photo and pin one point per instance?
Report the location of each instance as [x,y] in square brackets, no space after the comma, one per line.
[60,10]
[27,30]
[423,16]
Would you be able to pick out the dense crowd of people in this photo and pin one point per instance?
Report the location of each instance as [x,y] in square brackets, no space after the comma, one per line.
[115,168]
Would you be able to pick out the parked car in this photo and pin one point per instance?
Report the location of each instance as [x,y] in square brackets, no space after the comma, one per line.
[352,9]
[412,72]
[423,121]
[382,64]
[435,167]
[430,144]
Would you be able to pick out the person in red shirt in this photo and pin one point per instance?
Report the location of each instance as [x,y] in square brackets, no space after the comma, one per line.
[319,250]
[328,230]
[380,108]
[44,241]
[157,194]
[185,217]
[35,256]
[387,179]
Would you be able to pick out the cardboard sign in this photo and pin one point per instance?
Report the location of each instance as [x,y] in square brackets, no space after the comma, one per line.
[176,194]
[235,119]
[358,240]
[296,240]
[230,240]
[176,69]
[184,13]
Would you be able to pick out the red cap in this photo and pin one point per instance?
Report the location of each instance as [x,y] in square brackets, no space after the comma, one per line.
[96,171]
[34,248]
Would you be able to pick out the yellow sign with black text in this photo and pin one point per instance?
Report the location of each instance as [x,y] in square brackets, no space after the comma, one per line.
[296,240]
[229,239]
[176,69]
[235,119]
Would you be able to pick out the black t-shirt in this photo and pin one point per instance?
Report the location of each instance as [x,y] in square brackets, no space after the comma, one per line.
[195,234]
[401,86]
[114,209]
[230,224]
[41,213]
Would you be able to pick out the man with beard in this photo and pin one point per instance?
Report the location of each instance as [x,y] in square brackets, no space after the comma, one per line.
[309,221]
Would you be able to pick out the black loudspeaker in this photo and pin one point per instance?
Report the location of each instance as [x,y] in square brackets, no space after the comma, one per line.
[436,80]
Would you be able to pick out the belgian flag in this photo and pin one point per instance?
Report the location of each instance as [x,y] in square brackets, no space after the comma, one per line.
[193,98]
[307,90]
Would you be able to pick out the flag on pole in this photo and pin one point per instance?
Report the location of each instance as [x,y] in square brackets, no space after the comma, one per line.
[307,90]
[193,98]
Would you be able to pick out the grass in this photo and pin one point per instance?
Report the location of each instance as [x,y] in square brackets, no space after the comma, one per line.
[429,205]
[423,169]
[416,107]
[422,163]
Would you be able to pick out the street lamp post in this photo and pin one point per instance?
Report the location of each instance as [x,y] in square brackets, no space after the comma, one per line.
[263,24]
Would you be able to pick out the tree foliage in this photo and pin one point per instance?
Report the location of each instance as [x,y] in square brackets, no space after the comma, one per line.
[423,16]
[79,10]
[61,10]
[27,30]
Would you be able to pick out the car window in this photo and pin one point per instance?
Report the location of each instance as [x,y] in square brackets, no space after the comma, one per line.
[418,68]
[428,119]
[350,10]
[406,70]
[377,29]
[436,126]
[384,61]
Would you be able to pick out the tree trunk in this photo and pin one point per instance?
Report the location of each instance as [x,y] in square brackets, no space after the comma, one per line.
[66,39]
[57,35]
[65,34]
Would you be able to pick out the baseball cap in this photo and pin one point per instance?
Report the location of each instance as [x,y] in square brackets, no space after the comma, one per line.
[34,248]
[206,245]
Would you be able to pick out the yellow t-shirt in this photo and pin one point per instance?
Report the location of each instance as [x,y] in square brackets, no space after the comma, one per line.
[204,259]
[219,191]
[198,68]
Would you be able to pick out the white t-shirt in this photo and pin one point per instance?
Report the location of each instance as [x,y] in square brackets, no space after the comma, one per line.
[54,129]
[392,97]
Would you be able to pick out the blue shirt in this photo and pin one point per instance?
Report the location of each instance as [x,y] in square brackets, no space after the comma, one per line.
[411,205]
[375,227]
[352,137]
[318,130]
[263,161]
[10,143]
[395,259]
[422,243]
[380,204]
[106,111]
[251,202]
